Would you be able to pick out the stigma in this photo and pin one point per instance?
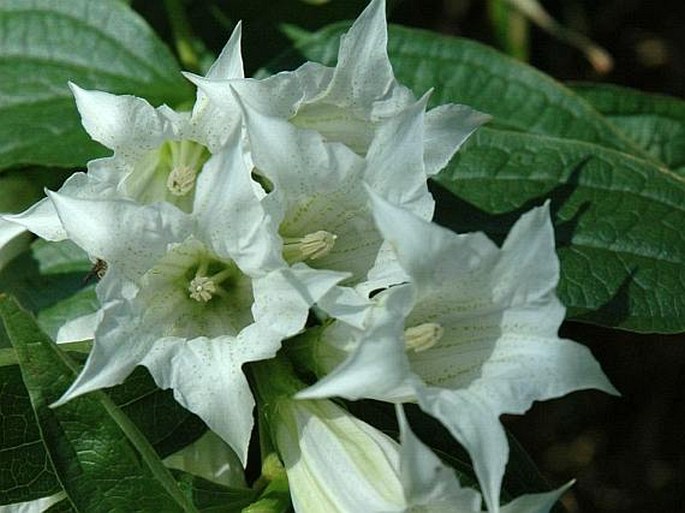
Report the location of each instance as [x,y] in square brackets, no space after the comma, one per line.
[203,288]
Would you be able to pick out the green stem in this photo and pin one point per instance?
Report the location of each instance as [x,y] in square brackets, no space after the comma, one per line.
[511,28]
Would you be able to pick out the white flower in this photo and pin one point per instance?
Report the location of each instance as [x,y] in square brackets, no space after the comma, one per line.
[338,463]
[349,103]
[317,188]
[157,153]
[472,335]
[334,461]
[192,297]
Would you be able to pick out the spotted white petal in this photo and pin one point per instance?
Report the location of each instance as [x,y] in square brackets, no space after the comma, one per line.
[121,232]
[229,216]
[121,123]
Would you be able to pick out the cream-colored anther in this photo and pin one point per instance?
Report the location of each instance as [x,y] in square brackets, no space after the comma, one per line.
[181,180]
[310,247]
[202,289]
[424,336]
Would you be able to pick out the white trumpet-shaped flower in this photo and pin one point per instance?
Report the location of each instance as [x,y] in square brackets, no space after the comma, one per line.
[349,103]
[317,188]
[470,336]
[192,297]
[157,153]
[340,464]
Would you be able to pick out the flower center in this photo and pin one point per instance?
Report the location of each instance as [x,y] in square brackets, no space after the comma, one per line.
[424,336]
[185,161]
[203,288]
[310,247]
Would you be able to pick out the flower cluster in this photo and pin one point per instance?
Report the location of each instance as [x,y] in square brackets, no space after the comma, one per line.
[280,233]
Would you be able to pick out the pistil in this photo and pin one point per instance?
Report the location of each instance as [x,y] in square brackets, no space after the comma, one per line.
[203,288]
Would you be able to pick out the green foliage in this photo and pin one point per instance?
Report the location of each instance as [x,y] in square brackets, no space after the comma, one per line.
[99,457]
[655,122]
[618,209]
[100,45]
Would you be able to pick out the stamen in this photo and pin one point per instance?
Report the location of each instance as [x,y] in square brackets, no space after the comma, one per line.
[424,336]
[310,247]
[181,180]
[187,158]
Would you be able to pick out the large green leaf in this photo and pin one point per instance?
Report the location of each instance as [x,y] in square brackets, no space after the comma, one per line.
[25,469]
[102,461]
[655,122]
[45,278]
[617,221]
[99,45]
[618,210]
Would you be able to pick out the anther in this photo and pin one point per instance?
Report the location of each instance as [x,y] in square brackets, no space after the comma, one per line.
[310,247]
[424,336]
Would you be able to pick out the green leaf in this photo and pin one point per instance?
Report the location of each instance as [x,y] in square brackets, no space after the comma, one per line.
[617,221]
[43,276]
[655,122]
[25,469]
[166,424]
[21,188]
[99,45]
[102,461]
[618,210]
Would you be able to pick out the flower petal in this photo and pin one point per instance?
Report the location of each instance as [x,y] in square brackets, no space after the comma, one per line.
[523,369]
[364,74]
[230,217]
[536,502]
[42,219]
[335,462]
[378,367]
[207,379]
[119,122]
[395,167]
[111,359]
[426,480]
[477,428]
[229,63]
[121,232]
[447,128]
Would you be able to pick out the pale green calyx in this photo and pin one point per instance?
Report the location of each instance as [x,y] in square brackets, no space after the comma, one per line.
[312,246]
[424,336]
